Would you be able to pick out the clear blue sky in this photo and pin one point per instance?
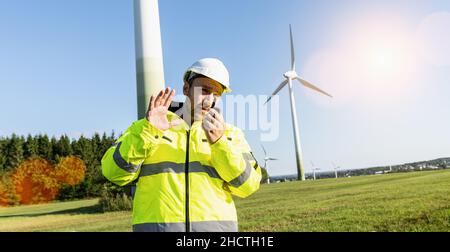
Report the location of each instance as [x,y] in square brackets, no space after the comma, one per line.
[67,67]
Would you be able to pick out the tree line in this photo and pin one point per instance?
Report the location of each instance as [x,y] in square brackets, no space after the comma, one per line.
[14,150]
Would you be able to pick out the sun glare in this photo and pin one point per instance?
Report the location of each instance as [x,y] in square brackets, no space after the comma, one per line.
[386,67]
[385,62]
[383,59]
[374,64]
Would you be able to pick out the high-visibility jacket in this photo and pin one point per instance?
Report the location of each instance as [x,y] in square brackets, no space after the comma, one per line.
[184,183]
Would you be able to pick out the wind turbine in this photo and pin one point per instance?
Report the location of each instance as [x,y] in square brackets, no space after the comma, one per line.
[335,169]
[289,77]
[266,158]
[148,51]
[314,170]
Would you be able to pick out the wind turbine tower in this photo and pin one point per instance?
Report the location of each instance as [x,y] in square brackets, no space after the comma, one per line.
[289,77]
[266,159]
[314,170]
[335,169]
[148,53]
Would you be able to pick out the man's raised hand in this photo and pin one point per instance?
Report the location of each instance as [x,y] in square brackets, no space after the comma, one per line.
[158,107]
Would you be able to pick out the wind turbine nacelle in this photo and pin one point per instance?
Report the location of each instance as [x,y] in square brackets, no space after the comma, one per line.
[290,75]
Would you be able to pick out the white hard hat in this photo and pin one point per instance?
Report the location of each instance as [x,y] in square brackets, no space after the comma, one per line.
[211,68]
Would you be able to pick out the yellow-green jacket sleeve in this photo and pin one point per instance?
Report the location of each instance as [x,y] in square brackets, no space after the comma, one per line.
[122,162]
[234,162]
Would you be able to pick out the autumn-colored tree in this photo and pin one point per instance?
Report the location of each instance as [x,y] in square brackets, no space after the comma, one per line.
[7,196]
[3,195]
[35,181]
[70,170]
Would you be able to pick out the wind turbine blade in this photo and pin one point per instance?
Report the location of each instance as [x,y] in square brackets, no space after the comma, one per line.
[265,153]
[282,84]
[273,158]
[292,50]
[309,85]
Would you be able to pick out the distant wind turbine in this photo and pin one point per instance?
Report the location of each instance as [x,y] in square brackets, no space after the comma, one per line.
[335,169]
[266,159]
[289,76]
[314,170]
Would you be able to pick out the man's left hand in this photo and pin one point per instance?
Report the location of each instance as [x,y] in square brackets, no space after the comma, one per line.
[214,125]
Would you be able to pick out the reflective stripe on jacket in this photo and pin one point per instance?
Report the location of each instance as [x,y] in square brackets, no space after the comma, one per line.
[180,190]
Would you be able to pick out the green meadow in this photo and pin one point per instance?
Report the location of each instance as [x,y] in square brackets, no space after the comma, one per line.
[411,202]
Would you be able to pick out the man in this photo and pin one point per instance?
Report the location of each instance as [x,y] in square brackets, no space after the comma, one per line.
[189,163]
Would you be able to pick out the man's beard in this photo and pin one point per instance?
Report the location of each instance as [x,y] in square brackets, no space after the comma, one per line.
[200,111]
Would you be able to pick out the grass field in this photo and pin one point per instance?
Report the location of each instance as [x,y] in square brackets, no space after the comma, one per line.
[417,201]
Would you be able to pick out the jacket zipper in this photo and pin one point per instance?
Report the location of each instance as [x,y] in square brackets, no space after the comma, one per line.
[187,182]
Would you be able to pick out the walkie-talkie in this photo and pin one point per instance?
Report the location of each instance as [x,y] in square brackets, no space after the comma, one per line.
[217,109]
